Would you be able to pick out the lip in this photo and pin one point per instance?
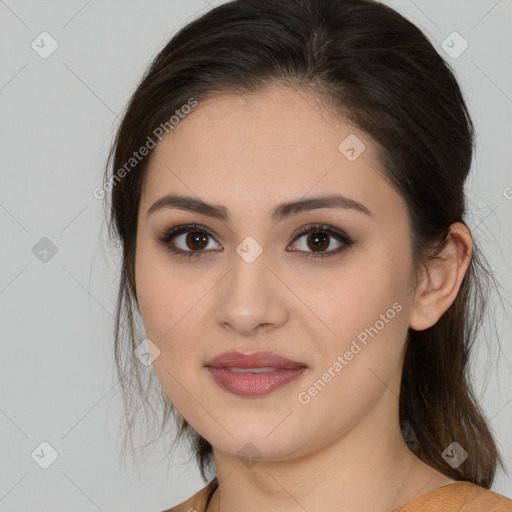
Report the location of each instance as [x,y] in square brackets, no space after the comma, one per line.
[253,360]
[284,372]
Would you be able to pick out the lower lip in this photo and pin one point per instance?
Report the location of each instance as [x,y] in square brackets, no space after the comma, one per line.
[255,384]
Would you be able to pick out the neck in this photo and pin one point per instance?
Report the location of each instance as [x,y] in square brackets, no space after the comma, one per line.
[368,468]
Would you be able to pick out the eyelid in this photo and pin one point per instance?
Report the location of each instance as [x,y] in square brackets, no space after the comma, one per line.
[329,230]
[169,234]
[179,229]
[345,241]
[323,228]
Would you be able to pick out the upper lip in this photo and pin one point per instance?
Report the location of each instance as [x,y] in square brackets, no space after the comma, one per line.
[254,360]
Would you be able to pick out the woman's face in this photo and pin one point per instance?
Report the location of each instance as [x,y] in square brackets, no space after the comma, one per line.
[254,284]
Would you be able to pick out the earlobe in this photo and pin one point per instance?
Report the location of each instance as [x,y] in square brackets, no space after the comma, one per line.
[442,279]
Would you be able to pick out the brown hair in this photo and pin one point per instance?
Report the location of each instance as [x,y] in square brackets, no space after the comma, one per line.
[374,68]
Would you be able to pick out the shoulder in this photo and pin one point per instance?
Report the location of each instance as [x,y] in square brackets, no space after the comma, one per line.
[197,502]
[459,497]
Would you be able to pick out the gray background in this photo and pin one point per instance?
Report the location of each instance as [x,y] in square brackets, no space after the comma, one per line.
[58,118]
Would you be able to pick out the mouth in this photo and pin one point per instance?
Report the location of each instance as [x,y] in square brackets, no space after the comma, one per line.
[255,360]
[265,369]
[254,374]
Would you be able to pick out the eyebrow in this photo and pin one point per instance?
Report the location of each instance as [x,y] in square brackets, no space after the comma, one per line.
[279,213]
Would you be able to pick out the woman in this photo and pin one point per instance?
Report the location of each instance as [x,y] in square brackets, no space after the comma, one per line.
[288,192]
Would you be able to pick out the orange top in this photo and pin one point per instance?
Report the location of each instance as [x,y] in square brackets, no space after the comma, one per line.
[454,497]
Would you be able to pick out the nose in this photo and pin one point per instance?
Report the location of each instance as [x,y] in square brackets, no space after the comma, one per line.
[251,298]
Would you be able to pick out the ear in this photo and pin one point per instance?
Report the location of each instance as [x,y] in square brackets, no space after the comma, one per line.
[443,277]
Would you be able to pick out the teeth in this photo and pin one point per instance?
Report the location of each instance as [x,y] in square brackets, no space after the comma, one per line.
[252,370]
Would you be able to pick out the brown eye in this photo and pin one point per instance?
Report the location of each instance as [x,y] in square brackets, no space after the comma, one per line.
[321,241]
[196,240]
[188,240]
[318,241]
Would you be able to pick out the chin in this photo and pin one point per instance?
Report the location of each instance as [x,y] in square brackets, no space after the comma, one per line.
[258,445]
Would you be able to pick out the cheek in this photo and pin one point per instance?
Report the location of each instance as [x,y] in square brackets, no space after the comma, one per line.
[343,302]
[163,296]
[363,307]
[172,308]
[152,299]
[159,310]
[166,305]
[359,359]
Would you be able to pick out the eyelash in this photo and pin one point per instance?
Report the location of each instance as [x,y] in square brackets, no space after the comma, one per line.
[340,236]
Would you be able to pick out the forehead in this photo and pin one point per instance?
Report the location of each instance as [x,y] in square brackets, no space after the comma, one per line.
[263,148]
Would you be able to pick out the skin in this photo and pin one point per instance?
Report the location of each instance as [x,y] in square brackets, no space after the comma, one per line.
[343,450]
